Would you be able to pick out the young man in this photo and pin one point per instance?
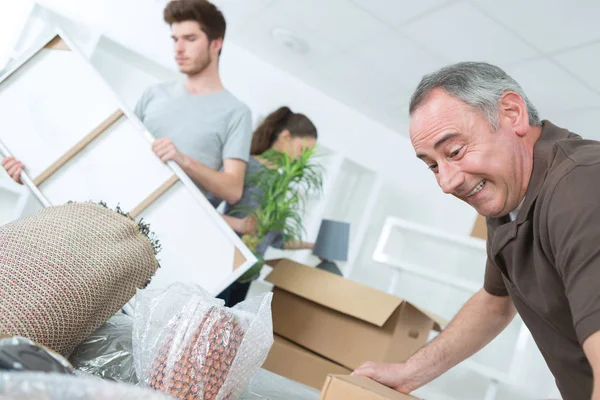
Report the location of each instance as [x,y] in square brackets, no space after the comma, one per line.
[536,183]
[196,122]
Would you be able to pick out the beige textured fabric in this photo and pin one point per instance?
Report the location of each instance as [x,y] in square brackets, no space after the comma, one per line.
[65,270]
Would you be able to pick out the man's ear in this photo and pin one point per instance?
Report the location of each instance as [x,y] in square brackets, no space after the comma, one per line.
[513,109]
[216,45]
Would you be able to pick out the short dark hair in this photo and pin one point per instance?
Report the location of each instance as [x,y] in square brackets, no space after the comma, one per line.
[210,18]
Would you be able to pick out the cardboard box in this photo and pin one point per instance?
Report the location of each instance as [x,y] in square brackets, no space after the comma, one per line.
[300,365]
[342,320]
[358,388]
[480,228]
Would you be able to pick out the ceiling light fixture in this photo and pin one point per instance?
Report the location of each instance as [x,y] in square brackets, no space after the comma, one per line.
[290,40]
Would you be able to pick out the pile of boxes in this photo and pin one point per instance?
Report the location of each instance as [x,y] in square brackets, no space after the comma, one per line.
[325,324]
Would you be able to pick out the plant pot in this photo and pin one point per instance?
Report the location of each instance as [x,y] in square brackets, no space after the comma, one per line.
[254,270]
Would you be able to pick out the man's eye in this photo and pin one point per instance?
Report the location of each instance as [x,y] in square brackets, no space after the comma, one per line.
[455,152]
[433,167]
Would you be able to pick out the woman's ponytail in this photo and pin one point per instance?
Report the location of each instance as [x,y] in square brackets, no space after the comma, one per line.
[266,133]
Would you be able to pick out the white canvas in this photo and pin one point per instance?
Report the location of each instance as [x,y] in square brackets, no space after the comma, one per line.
[51,101]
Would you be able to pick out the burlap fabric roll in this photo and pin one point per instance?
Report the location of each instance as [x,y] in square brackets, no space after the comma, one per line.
[65,270]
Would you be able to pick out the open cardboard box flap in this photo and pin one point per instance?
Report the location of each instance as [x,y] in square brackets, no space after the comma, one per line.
[301,365]
[438,322]
[337,293]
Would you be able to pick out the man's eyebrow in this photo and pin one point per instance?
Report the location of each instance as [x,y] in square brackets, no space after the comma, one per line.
[440,142]
[444,139]
[184,36]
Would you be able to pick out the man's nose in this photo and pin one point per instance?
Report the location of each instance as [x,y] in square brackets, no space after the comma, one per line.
[449,177]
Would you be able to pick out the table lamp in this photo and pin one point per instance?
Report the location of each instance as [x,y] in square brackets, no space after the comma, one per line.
[332,244]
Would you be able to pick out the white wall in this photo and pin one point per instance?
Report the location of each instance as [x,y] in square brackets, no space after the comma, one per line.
[12,17]
[123,71]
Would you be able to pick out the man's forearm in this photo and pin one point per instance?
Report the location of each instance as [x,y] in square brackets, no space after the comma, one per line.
[221,184]
[480,320]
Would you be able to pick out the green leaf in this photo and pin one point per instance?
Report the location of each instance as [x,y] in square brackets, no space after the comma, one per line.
[285,185]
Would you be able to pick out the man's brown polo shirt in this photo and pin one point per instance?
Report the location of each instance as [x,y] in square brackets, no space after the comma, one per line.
[548,259]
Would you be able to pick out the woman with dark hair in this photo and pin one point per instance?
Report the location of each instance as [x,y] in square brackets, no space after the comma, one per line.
[283,131]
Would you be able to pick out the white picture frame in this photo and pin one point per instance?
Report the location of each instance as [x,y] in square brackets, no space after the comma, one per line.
[80,142]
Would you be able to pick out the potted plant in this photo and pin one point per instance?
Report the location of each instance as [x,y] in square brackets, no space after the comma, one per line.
[284,186]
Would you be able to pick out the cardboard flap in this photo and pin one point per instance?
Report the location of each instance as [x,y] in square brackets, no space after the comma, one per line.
[480,228]
[369,385]
[439,323]
[299,364]
[333,291]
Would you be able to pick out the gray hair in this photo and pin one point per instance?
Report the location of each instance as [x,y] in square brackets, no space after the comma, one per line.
[478,84]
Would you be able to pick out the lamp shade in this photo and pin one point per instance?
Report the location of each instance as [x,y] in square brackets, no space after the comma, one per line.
[332,240]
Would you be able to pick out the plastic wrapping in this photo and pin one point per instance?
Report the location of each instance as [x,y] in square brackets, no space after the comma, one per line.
[189,345]
[22,354]
[44,386]
[108,352]
[266,385]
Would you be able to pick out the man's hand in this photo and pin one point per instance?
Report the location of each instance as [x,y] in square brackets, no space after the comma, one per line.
[479,321]
[396,376]
[166,151]
[13,168]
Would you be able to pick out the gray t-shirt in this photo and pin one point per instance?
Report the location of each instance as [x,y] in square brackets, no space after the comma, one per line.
[251,198]
[208,128]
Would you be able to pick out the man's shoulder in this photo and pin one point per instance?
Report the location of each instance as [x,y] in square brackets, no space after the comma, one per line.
[571,154]
[564,150]
[580,152]
[576,162]
[234,103]
[167,88]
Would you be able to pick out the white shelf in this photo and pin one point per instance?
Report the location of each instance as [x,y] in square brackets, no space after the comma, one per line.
[426,231]
[424,272]
[437,238]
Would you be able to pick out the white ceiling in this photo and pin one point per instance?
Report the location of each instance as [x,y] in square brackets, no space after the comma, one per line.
[370,54]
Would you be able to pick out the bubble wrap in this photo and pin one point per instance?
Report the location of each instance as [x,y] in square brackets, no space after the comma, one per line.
[188,344]
[41,386]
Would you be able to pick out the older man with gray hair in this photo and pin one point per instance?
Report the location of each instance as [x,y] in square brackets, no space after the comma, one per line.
[538,185]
